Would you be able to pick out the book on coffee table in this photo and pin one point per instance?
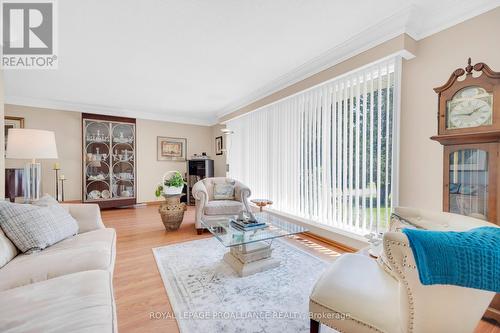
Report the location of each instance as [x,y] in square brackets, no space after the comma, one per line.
[247,225]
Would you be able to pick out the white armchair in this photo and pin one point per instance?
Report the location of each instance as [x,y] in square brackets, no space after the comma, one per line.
[359,294]
[207,207]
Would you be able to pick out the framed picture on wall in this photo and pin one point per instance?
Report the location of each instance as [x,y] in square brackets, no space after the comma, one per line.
[12,122]
[171,149]
[219,145]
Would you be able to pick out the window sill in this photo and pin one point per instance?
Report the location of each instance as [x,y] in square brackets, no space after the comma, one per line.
[334,234]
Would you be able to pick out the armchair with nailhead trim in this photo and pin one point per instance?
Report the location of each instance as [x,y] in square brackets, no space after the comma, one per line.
[359,294]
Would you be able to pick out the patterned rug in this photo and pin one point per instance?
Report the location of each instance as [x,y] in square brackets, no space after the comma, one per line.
[208,296]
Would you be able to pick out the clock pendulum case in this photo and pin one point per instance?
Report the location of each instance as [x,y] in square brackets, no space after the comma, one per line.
[469,130]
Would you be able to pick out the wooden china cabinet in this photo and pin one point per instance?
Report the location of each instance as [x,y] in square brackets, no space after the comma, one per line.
[469,130]
[109,160]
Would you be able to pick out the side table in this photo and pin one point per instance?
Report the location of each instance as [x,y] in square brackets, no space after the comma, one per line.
[172,211]
[261,203]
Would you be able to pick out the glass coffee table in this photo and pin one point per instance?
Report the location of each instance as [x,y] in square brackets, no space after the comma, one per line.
[250,251]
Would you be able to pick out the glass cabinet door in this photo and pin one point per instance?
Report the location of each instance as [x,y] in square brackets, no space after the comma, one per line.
[97,170]
[109,162]
[469,182]
[123,142]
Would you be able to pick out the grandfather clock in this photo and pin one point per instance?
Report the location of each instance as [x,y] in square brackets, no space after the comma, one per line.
[469,130]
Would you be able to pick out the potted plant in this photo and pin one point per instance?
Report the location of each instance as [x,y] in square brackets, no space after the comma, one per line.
[172,184]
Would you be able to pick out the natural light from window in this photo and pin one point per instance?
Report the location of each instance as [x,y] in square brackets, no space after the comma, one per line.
[328,154]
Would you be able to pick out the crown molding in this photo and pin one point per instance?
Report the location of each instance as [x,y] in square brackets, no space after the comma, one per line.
[409,20]
[384,30]
[107,110]
[461,14]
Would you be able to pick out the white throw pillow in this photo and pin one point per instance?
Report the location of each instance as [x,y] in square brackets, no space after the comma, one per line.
[45,201]
[223,191]
[32,228]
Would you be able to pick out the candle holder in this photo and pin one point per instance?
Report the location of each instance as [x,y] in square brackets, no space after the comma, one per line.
[62,179]
[56,168]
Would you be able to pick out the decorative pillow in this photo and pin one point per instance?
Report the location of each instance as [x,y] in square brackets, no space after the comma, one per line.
[32,228]
[45,201]
[7,250]
[223,191]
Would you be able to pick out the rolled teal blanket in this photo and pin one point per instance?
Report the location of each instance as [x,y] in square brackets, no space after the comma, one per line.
[468,259]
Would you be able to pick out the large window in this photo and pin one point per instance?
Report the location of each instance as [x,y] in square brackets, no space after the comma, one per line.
[326,154]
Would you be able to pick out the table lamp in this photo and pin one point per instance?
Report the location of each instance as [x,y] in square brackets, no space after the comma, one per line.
[31,144]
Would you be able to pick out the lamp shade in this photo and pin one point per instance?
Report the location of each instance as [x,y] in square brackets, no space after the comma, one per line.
[25,143]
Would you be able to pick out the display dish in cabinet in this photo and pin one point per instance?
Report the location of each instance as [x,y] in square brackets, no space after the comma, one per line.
[95,190]
[97,171]
[123,154]
[123,133]
[123,171]
[96,131]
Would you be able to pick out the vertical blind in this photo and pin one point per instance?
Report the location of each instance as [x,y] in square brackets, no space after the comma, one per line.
[325,154]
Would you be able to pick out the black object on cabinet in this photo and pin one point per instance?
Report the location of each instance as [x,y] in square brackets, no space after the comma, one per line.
[198,170]
[14,179]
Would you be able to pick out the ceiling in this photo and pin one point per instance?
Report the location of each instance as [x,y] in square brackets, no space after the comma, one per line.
[192,61]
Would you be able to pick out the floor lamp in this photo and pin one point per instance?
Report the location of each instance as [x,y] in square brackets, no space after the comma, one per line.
[31,144]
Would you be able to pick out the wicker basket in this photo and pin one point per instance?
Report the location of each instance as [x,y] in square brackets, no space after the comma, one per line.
[172,212]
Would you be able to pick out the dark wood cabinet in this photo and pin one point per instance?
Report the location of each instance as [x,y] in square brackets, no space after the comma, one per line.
[196,171]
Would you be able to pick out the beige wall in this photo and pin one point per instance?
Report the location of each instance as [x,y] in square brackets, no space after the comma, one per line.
[219,160]
[67,126]
[149,170]
[436,58]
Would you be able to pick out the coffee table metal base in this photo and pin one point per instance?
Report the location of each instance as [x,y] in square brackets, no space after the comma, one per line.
[251,258]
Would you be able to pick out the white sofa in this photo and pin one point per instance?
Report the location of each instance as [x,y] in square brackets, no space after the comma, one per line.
[66,287]
[387,296]
[207,208]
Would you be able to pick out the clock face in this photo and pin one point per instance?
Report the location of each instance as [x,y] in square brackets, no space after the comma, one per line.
[470,107]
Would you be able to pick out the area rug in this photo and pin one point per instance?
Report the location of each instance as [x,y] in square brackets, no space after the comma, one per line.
[208,296]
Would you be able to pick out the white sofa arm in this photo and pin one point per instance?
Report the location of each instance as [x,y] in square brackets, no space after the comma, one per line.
[242,193]
[88,216]
[200,194]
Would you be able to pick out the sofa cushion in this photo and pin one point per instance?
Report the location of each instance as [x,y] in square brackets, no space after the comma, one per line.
[88,216]
[7,250]
[33,228]
[356,285]
[223,207]
[80,302]
[88,251]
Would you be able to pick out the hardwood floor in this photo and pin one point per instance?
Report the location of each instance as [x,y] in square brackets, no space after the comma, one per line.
[138,287]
